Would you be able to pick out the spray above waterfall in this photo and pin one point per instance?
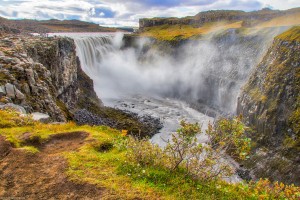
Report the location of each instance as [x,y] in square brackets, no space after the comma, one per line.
[210,71]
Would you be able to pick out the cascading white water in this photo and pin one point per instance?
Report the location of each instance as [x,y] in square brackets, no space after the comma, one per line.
[146,80]
[209,72]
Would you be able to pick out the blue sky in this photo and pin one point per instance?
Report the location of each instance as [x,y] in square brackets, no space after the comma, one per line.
[127,12]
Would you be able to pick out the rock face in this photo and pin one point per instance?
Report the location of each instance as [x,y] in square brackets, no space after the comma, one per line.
[42,75]
[59,57]
[270,103]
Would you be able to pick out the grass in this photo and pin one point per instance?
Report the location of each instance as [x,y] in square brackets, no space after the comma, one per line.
[123,180]
[101,161]
[92,166]
[292,34]
[178,185]
[30,149]
[175,32]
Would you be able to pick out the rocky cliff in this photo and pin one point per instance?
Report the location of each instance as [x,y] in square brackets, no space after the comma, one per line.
[270,103]
[42,75]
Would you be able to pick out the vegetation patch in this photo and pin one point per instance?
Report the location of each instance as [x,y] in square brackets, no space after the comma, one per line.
[127,168]
[179,32]
[292,34]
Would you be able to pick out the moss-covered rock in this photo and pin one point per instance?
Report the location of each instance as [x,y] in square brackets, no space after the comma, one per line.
[270,103]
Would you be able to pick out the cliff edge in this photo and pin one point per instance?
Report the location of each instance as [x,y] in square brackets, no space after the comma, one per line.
[42,75]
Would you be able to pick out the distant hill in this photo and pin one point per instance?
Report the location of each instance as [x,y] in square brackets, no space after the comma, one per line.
[213,21]
[53,25]
[248,18]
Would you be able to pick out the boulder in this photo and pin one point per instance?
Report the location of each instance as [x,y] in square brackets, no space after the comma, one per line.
[19,94]
[10,90]
[7,60]
[2,91]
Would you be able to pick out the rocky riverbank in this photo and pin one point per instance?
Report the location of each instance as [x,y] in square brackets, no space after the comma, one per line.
[151,125]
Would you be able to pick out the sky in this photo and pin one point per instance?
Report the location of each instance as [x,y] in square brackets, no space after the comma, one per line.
[118,13]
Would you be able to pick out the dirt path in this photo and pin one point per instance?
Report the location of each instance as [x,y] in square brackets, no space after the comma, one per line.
[42,175]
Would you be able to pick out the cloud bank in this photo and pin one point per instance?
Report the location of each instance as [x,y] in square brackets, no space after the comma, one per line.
[126,13]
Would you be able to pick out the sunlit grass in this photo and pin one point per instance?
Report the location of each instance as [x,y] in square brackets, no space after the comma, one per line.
[30,149]
[101,169]
[173,32]
[101,161]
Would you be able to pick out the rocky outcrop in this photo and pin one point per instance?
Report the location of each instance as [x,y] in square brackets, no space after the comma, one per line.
[59,57]
[42,75]
[140,126]
[270,103]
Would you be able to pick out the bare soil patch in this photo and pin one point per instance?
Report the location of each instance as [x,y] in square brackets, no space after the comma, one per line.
[42,176]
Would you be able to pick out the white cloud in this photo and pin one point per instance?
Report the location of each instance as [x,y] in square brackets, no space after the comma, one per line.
[126,13]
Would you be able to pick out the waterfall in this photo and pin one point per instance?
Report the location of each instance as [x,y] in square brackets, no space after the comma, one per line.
[206,72]
[91,50]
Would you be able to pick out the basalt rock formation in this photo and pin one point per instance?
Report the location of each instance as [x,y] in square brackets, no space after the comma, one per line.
[270,103]
[42,75]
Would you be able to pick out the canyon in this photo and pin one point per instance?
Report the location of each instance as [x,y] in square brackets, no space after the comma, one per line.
[146,84]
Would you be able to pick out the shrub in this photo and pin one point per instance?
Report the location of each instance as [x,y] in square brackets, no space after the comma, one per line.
[199,165]
[201,161]
[264,189]
[183,152]
[145,153]
[228,135]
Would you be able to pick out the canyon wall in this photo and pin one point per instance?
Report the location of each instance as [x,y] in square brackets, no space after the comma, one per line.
[43,75]
[270,103]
